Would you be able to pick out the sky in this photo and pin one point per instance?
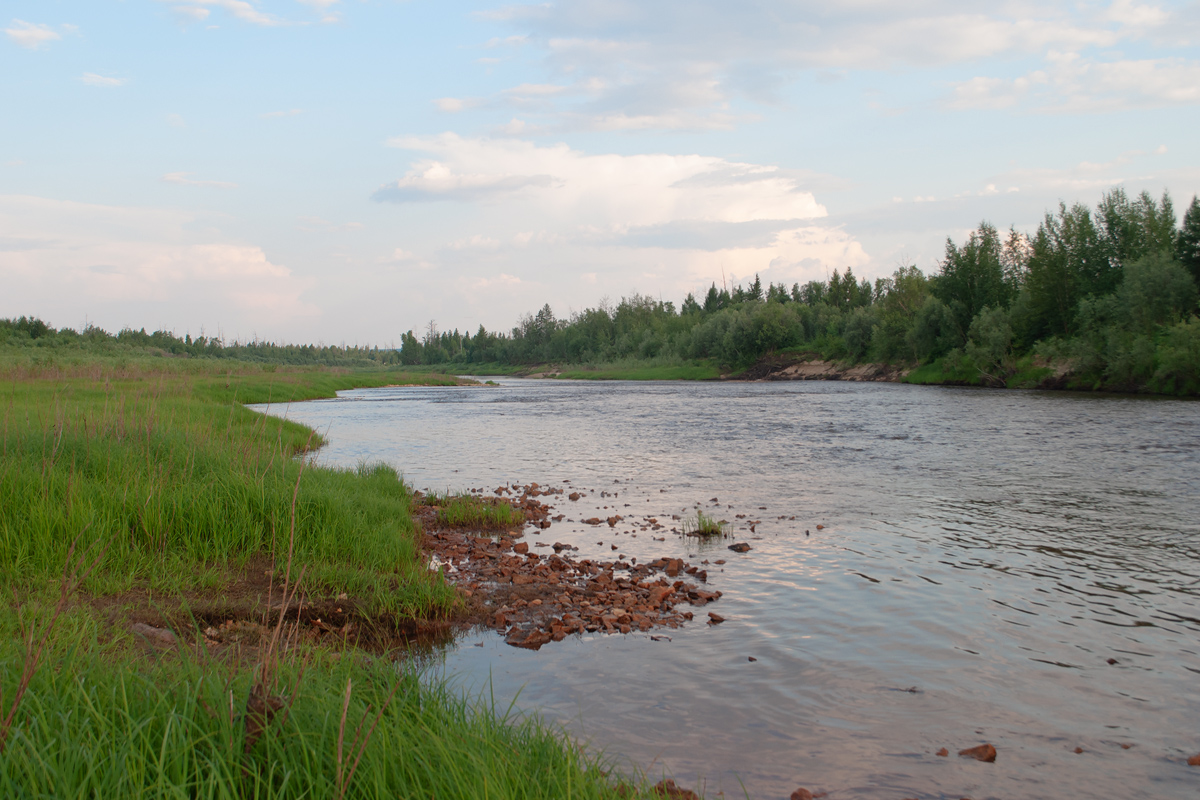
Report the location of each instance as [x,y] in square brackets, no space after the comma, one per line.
[342,171]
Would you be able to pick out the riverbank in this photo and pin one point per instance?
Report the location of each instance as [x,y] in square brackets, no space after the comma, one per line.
[955,370]
[198,610]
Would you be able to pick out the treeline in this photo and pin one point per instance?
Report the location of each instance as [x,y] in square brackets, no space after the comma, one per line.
[1109,293]
[33,334]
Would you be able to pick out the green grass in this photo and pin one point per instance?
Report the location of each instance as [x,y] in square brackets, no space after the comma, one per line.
[703,525]
[156,465]
[954,369]
[633,372]
[1027,375]
[176,728]
[171,476]
[465,511]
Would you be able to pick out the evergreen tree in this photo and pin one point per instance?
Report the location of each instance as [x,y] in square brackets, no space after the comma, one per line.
[973,276]
[1187,243]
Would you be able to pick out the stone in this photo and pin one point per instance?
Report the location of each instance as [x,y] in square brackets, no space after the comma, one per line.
[1078,750]
[667,788]
[1194,761]
[573,496]
[152,634]
[715,618]
[674,566]
[801,794]
[983,752]
[740,547]
[943,753]
[521,547]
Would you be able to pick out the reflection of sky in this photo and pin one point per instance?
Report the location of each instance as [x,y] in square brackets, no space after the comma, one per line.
[990,549]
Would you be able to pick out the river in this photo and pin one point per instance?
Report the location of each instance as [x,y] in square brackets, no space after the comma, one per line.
[1018,568]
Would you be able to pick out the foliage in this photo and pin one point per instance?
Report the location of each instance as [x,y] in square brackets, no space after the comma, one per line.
[1099,288]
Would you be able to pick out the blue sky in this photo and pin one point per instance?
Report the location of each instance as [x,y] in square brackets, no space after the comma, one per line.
[346,170]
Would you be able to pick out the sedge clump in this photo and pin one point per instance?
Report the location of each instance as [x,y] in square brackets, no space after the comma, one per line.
[703,525]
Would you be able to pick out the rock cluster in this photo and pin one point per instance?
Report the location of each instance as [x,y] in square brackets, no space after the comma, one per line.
[537,599]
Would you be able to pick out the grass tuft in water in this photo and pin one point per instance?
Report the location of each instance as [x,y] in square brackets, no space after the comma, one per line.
[465,511]
[703,525]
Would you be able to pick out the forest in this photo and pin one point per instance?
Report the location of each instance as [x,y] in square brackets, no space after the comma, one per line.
[1108,294]
[1103,298]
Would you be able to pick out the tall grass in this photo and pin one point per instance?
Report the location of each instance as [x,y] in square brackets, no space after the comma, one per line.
[703,525]
[174,476]
[162,477]
[464,511]
[176,729]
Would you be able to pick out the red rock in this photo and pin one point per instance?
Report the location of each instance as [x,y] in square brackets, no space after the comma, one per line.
[983,752]
[573,496]
[801,794]
[1194,761]
[943,752]
[668,788]
[715,618]
[1078,750]
[740,547]
[522,580]
[660,593]
[592,521]
[521,547]
[820,527]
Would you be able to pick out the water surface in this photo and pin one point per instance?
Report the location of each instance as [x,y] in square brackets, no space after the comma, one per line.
[984,555]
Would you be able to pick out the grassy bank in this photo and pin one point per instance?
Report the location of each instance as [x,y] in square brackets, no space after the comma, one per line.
[99,726]
[170,497]
[649,372]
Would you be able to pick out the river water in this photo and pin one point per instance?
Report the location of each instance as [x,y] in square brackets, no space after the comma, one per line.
[983,556]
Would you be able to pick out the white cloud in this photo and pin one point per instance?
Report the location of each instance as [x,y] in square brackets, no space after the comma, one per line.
[684,64]
[137,266]
[319,5]
[31,35]
[452,105]
[240,9]
[679,219]
[1074,84]
[503,280]
[183,179]
[92,79]
[607,190]
[191,13]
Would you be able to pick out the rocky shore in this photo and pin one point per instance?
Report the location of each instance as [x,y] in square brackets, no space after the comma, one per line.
[540,593]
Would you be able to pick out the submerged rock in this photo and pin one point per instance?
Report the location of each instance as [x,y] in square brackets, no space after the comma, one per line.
[983,752]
